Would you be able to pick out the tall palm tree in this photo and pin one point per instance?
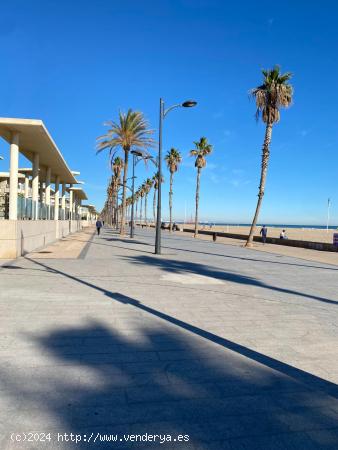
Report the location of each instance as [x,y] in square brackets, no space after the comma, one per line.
[142,192]
[173,159]
[117,167]
[203,149]
[273,94]
[131,131]
[156,180]
[137,197]
[110,202]
[148,184]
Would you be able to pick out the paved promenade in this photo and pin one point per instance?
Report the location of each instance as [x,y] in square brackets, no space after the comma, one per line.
[228,347]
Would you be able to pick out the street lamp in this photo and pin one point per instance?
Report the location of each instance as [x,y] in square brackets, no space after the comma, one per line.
[163,113]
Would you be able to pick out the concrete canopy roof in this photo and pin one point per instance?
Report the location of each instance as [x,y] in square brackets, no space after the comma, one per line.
[42,174]
[79,192]
[34,138]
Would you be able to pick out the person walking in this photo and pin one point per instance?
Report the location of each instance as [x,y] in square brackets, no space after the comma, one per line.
[264,233]
[98,226]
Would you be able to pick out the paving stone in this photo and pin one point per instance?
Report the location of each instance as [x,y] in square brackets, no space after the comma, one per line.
[239,354]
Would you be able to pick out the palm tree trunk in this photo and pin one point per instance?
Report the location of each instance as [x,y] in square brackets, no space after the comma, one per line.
[117,212]
[154,206]
[141,211]
[171,203]
[113,210]
[197,200]
[124,192]
[136,205]
[264,169]
[145,209]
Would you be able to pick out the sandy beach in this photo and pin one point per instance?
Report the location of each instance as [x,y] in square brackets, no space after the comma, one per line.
[303,234]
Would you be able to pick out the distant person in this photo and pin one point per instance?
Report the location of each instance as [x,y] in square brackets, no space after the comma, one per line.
[98,226]
[283,235]
[264,233]
[103,223]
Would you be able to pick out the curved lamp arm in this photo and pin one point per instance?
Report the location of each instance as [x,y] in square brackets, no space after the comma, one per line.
[121,184]
[148,158]
[166,111]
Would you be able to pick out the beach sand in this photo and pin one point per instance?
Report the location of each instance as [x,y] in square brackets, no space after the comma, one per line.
[302,234]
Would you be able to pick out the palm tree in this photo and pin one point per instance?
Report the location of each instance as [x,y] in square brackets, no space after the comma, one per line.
[137,197]
[129,201]
[141,193]
[148,184]
[110,202]
[155,179]
[273,94]
[117,167]
[131,131]
[173,159]
[203,148]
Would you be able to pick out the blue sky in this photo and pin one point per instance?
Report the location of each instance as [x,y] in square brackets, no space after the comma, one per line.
[75,64]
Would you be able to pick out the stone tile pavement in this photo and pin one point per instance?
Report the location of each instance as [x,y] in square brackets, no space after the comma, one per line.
[218,347]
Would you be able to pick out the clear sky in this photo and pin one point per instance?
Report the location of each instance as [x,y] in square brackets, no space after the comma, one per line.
[75,64]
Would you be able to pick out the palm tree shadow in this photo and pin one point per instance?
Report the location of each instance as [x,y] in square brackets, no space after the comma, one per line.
[263,261]
[184,267]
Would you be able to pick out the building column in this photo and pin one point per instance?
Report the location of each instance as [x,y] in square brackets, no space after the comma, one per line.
[26,195]
[79,209]
[56,197]
[41,189]
[26,186]
[13,177]
[63,202]
[75,206]
[47,190]
[35,187]
[71,206]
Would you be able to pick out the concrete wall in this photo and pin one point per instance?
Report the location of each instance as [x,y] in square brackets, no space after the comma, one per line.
[18,237]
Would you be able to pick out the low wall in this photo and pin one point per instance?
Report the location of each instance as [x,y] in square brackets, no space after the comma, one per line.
[18,237]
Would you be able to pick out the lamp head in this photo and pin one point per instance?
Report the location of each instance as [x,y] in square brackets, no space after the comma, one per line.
[189,103]
[136,153]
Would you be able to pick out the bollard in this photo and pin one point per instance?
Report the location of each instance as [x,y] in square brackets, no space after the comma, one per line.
[214,237]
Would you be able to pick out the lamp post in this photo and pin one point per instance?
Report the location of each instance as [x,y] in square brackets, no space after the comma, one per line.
[163,113]
[328,214]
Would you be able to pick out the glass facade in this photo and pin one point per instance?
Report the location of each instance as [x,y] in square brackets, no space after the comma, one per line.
[28,210]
